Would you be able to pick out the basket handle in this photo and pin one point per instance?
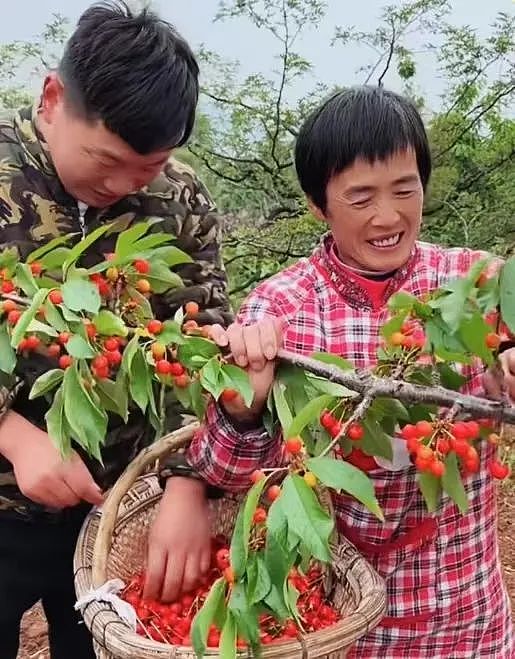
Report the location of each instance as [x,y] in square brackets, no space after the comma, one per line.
[172,442]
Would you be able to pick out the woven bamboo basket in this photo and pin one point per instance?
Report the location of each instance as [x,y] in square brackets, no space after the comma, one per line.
[112,544]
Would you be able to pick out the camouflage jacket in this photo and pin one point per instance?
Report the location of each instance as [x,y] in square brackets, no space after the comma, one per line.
[34,208]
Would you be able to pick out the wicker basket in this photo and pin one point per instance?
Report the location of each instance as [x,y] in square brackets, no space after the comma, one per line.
[112,544]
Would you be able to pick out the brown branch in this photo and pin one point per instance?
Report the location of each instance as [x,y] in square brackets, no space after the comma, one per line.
[389,59]
[282,84]
[358,414]
[369,385]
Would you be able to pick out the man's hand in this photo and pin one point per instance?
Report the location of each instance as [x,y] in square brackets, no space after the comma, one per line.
[41,473]
[502,379]
[255,348]
[179,544]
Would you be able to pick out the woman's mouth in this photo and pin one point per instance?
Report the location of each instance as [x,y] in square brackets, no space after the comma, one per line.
[387,242]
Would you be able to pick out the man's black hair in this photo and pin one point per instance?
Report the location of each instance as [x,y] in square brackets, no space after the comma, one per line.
[135,73]
[362,122]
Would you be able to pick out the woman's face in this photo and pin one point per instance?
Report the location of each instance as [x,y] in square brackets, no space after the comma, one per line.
[374,211]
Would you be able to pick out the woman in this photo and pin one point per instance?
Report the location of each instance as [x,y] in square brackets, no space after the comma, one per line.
[363,161]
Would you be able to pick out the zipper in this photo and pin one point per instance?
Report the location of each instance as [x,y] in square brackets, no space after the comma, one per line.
[82,221]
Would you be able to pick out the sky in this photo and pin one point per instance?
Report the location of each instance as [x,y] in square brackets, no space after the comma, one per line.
[238,40]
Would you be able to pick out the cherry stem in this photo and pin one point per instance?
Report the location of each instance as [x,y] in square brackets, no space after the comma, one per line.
[358,414]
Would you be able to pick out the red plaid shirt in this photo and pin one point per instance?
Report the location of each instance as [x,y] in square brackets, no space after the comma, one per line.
[446,595]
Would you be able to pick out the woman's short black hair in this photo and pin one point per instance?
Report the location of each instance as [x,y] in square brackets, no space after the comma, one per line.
[135,73]
[362,122]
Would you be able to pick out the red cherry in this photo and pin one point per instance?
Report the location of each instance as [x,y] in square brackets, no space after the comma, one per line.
[327,420]
[65,361]
[142,267]
[361,460]
[355,432]
[473,429]
[114,357]
[54,350]
[493,340]
[181,381]
[36,268]
[176,369]
[8,305]
[63,337]
[409,431]
[228,395]
[55,297]
[13,316]
[100,361]
[163,367]
[222,558]
[8,287]
[259,516]
[294,445]
[33,342]
[459,430]
[273,492]
[437,468]
[111,343]
[257,476]
[424,428]
[91,330]
[499,470]
[155,326]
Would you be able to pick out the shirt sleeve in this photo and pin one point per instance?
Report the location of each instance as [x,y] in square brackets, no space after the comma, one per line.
[223,455]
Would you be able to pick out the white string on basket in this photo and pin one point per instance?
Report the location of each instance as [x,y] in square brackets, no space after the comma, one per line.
[108,593]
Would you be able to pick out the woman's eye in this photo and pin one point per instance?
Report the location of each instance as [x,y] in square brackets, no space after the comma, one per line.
[362,203]
[404,193]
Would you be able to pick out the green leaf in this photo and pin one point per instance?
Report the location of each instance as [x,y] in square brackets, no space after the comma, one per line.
[278,557]
[306,517]
[393,325]
[236,378]
[144,309]
[227,648]
[309,414]
[244,615]
[126,239]
[162,279]
[401,301]
[37,327]
[82,246]
[259,582]
[205,616]
[443,344]
[473,332]
[507,293]
[431,489]
[53,316]
[341,475]
[375,441]
[452,483]
[138,383]
[450,378]
[389,407]
[196,351]
[25,279]
[281,405]
[27,317]
[81,295]
[332,388]
[114,396]
[49,246]
[152,241]
[452,305]
[79,348]
[210,377]
[128,354]
[171,333]
[54,260]
[87,421]
[69,316]
[335,360]
[7,353]
[241,534]
[197,400]
[57,426]
[46,382]
[172,256]
[108,324]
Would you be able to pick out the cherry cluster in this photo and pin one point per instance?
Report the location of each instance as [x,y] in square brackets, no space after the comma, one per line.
[171,623]
[429,442]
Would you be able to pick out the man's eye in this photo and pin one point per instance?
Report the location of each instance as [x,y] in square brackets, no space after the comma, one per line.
[362,203]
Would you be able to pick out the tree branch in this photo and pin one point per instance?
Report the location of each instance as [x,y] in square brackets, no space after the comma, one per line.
[370,386]
[389,59]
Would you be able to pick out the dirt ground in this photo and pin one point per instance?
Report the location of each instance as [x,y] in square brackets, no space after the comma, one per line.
[34,643]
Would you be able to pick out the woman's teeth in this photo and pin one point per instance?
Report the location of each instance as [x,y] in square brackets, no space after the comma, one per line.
[387,242]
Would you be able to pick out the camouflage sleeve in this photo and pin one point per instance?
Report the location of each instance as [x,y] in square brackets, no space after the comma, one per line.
[7,396]
[197,225]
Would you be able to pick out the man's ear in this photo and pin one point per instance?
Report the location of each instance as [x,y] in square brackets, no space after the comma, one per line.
[51,97]
[315,211]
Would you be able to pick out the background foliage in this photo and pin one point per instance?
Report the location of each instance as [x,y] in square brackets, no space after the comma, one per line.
[247,125]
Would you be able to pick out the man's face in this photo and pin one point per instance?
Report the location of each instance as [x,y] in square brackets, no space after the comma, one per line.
[95,166]
[374,211]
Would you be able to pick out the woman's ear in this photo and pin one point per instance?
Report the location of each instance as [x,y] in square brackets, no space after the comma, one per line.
[315,211]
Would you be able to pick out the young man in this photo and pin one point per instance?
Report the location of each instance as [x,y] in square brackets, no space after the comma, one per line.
[96,146]
[363,161]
